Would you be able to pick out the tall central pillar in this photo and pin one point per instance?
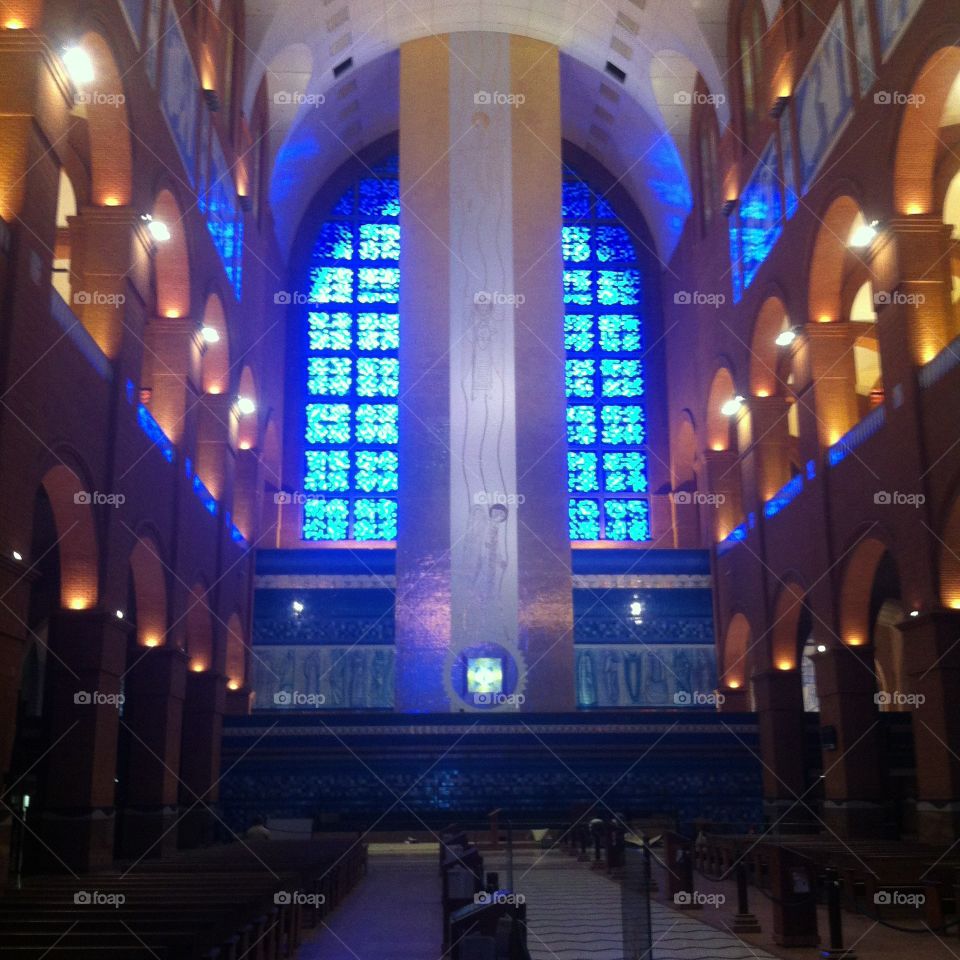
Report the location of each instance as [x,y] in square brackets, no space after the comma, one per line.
[484,604]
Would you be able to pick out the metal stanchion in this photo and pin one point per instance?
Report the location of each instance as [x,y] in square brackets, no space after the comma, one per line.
[836,949]
[744,921]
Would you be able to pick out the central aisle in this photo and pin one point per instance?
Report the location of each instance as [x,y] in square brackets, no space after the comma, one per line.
[394,912]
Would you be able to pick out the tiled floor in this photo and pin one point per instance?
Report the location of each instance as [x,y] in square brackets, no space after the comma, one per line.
[574,913]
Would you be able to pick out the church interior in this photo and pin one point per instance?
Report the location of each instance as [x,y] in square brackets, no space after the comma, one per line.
[478,479]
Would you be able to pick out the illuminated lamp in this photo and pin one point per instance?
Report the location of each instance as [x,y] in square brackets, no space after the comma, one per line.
[484,675]
[734,684]
[864,234]
[233,685]
[245,405]
[17,555]
[79,65]
[786,337]
[732,406]
[158,229]
[210,334]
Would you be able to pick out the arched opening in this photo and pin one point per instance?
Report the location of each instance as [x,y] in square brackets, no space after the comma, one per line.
[199,620]
[60,275]
[236,654]
[70,501]
[951,217]
[837,277]
[170,345]
[215,369]
[148,594]
[866,348]
[934,100]
[171,262]
[247,411]
[721,459]
[108,124]
[736,649]
[768,367]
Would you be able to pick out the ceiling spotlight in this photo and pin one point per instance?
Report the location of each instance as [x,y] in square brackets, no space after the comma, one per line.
[732,406]
[914,613]
[786,337]
[119,614]
[245,405]
[79,65]
[821,648]
[864,234]
[297,606]
[210,334]
[17,555]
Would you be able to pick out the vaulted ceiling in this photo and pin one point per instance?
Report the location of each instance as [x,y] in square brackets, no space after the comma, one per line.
[635,127]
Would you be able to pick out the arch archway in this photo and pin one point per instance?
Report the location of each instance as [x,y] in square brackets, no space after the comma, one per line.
[247,410]
[736,651]
[236,654]
[215,369]
[60,276]
[70,500]
[199,619]
[720,433]
[108,122]
[171,260]
[767,378]
[918,145]
[148,592]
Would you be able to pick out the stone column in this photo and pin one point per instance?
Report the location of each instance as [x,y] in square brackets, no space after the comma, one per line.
[722,477]
[203,710]
[483,558]
[826,379]
[766,463]
[82,701]
[933,664]
[779,697]
[853,788]
[154,688]
[216,437]
[171,370]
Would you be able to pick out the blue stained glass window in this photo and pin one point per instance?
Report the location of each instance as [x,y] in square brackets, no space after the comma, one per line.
[329,376]
[580,378]
[582,470]
[578,332]
[328,471]
[581,426]
[584,520]
[578,287]
[621,378]
[603,338]
[335,241]
[351,378]
[626,519]
[619,334]
[378,331]
[614,245]
[576,244]
[379,241]
[329,331]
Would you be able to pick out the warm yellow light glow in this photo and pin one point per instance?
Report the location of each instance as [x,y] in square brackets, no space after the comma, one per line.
[111,201]
[233,685]
[14,24]
[854,641]
[915,209]
[173,314]
[718,447]
[954,604]
[734,684]
[79,603]
[215,389]
[151,642]
[824,318]
[834,436]
[784,665]
[245,445]
[763,393]
[198,666]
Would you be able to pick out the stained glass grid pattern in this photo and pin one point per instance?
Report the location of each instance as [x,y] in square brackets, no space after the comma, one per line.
[603,336]
[352,372]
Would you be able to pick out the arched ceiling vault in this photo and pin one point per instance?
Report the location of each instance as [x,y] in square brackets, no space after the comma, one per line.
[638,128]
